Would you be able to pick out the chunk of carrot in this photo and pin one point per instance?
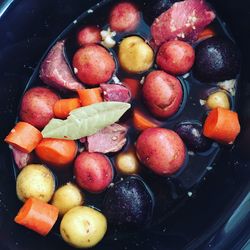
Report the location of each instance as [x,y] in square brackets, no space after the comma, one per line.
[222,125]
[24,137]
[63,107]
[206,33]
[37,216]
[90,96]
[141,122]
[56,152]
[133,85]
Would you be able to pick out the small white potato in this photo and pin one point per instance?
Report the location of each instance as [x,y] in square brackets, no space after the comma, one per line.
[135,55]
[218,99]
[127,163]
[83,227]
[37,181]
[67,197]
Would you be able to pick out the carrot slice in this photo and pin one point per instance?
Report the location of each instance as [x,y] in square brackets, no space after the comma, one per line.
[222,125]
[133,85]
[24,137]
[90,96]
[206,33]
[56,152]
[141,122]
[63,107]
[37,216]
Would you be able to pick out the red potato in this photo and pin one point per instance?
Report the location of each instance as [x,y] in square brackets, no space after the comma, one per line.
[37,106]
[124,17]
[161,150]
[93,64]
[89,35]
[176,57]
[162,93]
[93,172]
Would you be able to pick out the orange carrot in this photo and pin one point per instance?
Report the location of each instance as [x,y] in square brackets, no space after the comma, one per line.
[222,125]
[37,216]
[24,137]
[133,85]
[63,107]
[141,122]
[90,96]
[56,152]
[206,33]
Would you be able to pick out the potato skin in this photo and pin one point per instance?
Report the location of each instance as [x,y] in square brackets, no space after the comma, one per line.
[35,181]
[83,227]
[37,106]
[124,17]
[127,163]
[89,34]
[218,99]
[66,197]
[135,55]
[176,57]
[93,171]
[161,150]
[162,93]
[93,64]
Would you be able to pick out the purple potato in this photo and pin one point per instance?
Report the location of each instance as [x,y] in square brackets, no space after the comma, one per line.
[216,60]
[191,134]
[128,203]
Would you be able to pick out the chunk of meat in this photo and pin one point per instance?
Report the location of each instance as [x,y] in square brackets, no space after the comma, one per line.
[22,159]
[183,21]
[109,139]
[115,93]
[56,72]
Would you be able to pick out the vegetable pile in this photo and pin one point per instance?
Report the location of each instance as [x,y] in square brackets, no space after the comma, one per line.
[119,116]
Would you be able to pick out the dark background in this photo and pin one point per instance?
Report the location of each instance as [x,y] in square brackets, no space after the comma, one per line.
[216,217]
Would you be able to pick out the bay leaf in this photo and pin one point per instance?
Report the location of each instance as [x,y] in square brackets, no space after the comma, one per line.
[85,121]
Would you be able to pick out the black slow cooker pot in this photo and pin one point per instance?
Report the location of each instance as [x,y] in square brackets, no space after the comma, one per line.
[217,217]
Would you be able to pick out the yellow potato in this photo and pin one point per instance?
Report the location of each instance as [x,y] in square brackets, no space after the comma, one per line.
[127,163]
[35,181]
[67,197]
[218,100]
[135,55]
[83,227]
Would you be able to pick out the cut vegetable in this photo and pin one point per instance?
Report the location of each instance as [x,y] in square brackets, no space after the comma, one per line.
[90,96]
[133,85]
[24,137]
[63,107]
[141,122]
[222,125]
[56,152]
[206,33]
[37,216]
[86,121]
